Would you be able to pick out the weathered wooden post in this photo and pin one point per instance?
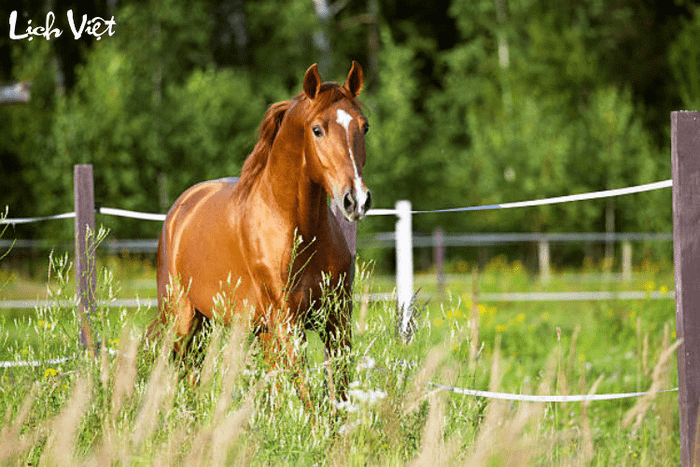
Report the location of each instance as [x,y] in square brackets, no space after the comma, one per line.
[685,167]
[84,195]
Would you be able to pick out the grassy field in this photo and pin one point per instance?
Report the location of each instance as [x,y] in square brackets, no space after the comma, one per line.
[134,406]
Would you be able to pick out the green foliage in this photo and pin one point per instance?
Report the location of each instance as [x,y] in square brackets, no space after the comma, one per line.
[684,56]
[470,102]
[396,131]
[211,126]
[283,34]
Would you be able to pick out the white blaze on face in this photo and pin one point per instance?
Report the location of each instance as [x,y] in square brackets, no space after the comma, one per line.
[344,119]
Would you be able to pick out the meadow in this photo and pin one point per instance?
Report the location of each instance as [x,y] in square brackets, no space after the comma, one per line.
[134,405]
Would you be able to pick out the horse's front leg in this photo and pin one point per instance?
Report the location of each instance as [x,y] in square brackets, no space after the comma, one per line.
[283,346]
[337,341]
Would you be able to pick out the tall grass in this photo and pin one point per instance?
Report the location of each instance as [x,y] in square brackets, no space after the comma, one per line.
[136,405]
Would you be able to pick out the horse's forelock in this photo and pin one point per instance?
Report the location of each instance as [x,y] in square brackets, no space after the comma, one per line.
[329,94]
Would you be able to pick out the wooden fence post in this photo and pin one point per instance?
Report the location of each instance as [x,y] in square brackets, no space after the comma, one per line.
[685,167]
[84,196]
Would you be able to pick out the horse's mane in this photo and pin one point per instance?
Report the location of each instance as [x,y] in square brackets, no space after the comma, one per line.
[257,160]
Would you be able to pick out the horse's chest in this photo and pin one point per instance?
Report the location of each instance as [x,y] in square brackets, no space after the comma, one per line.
[318,286]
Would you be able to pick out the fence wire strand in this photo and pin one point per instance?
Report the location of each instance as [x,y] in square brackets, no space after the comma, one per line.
[389,212]
[379,212]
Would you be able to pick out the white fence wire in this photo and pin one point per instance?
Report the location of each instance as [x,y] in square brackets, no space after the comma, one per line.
[389,212]
[495,297]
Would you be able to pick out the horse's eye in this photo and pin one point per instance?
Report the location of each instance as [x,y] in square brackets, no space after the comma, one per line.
[318,131]
[365,128]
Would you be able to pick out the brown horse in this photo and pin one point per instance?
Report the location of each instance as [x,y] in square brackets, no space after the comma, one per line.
[236,241]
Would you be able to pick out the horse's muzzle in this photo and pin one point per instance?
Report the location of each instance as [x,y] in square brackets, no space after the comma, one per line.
[356,205]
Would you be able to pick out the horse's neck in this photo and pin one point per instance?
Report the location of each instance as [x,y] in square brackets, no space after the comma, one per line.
[288,185]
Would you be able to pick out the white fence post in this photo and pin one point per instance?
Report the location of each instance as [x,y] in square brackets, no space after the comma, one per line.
[404,267]
[439,260]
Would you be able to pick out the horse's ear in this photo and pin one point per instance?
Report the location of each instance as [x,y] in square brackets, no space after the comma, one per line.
[356,79]
[312,81]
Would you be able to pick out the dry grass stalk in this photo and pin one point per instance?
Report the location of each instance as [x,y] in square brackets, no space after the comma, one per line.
[169,452]
[228,431]
[124,375]
[209,365]
[645,355]
[496,408]
[159,394]
[420,381]
[63,430]
[12,443]
[503,438]
[104,366]
[215,441]
[572,349]
[562,383]
[474,320]
[434,450]
[585,453]
[364,307]
[639,409]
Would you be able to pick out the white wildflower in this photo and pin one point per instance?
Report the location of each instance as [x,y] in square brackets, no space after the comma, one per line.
[347,406]
[369,397]
[347,428]
[366,363]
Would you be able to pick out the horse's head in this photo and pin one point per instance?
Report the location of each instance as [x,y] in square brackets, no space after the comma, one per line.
[334,140]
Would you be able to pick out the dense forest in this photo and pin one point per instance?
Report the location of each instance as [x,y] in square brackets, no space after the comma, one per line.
[470,102]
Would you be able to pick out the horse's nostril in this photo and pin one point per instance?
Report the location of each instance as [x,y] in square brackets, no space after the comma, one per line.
[349,202]
[368,203]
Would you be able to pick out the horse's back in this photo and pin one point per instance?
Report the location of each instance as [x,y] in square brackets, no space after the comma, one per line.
[191,199]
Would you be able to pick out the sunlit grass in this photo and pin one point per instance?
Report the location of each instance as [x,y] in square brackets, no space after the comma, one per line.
[133,405]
